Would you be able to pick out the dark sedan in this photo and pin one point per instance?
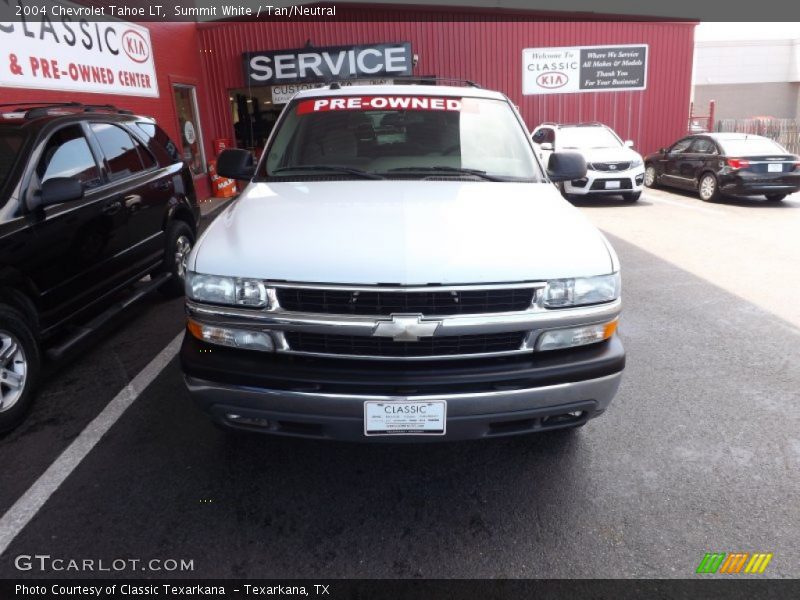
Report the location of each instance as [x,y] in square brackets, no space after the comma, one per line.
[718,164]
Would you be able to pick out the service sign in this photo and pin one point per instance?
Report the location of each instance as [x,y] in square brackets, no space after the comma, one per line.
[331,63]
[584,69]
[57,49]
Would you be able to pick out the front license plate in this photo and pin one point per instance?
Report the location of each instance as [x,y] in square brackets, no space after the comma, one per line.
[775,167]
[612,185]
[405,418]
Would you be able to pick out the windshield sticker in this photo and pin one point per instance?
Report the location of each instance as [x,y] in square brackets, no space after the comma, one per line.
[378,103]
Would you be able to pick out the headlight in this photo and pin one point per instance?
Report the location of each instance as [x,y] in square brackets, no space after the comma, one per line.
[636,162]
[579,291]
[216,289]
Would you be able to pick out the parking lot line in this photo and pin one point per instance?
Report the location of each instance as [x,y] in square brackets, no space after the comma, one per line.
[26,507]
[658,199]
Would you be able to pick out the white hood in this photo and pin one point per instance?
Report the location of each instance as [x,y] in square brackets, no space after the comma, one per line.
[401,232]
[620,154]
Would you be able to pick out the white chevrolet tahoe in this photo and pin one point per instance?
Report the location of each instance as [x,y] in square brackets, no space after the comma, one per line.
[400,267]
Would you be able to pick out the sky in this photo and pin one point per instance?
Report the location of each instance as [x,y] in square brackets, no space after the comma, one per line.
[709,31]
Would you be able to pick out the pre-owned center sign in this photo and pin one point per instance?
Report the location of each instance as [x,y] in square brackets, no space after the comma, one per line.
[71,53]
[584,69]
[327,64]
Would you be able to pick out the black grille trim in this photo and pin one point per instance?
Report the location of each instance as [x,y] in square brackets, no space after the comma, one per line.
[385,303]
[353,345]
[606,166]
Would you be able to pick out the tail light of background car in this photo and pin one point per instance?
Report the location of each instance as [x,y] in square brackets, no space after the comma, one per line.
[738,163]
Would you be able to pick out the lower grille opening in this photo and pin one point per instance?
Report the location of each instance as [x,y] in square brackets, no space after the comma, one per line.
[600,184]
[352,345]
[501,427]
[297,428]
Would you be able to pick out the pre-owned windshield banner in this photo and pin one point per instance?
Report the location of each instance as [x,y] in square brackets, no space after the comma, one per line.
[379,103]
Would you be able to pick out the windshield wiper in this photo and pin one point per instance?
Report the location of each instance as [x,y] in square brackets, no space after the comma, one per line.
[336,168]
[446,169]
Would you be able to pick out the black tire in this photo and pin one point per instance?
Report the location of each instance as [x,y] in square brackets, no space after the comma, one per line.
[20,368]
[178,234]
[631,196]
[708,188]
[650,176]
[775,197]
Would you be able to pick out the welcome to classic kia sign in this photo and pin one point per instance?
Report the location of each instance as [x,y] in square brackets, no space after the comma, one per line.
[327,64]
[584,69]
[56,47]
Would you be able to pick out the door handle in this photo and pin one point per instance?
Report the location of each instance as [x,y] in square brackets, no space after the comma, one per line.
[163,185]
[112,208]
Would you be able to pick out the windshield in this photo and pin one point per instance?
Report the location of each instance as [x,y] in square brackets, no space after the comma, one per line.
[751,147]
[10,145]
[400,136]
[582,138]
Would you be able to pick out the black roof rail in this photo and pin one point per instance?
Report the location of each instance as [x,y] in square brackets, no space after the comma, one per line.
[433,79]
[42,109]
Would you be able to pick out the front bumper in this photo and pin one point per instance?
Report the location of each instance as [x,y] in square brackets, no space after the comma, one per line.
[595,182]
[324,398]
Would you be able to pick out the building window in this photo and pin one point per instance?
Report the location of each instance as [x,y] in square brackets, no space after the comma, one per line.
[189,124]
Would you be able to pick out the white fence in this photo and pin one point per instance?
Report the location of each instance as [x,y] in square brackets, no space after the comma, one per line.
[784,131]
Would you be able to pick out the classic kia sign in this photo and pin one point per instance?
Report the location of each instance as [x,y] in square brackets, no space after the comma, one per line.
[584,69]
[327,64]
[72,53]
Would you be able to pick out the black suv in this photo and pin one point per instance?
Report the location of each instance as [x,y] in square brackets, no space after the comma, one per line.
[92,200]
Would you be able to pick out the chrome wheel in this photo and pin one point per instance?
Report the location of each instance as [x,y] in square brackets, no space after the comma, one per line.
[650,176]
[13,370]
[708,187]
[183,246]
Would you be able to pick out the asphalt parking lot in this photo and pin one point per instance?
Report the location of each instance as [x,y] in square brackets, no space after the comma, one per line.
[699,452]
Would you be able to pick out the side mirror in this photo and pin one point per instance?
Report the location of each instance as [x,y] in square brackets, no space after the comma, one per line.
[629,143]
[566,166]
[235,163]
[546,146]
[662,150]
[60,189]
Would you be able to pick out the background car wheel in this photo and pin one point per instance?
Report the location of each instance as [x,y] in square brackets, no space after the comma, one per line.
[650,176]
[19,368]
[180,240]
[632,196]
[775,197]
[707,189]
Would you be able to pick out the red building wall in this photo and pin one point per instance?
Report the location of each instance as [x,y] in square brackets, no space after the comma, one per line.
[175,52]
[487,52]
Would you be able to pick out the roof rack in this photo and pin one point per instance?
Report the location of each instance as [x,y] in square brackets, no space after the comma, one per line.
[433,79]
[42,109]
[583,124]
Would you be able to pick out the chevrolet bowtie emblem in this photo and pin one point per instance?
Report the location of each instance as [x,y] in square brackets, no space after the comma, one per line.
[406,328]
